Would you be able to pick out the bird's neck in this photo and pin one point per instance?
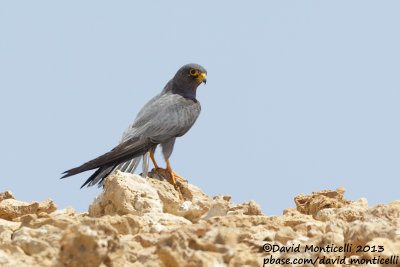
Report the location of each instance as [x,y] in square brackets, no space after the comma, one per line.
[186,92]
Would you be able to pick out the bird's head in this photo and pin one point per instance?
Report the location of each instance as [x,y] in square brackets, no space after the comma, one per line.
[190,76]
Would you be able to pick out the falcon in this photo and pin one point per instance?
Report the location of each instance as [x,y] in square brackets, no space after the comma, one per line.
[168,115]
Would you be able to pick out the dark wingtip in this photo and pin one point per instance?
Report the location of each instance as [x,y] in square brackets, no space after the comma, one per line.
[65,176]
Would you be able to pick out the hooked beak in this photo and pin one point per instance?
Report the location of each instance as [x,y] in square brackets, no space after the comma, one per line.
[202,78]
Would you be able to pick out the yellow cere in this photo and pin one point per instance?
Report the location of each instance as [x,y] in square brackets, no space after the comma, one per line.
[201,77]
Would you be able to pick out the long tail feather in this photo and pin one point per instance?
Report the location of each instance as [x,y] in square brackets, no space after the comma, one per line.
[145,165]
[133,165]
[121,153]
[98,176]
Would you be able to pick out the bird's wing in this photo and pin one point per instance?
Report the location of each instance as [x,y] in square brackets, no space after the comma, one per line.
[174,116]
[168,115]
[136,128]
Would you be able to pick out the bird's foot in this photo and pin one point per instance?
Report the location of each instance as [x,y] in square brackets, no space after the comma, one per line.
[175,175]
[172,174]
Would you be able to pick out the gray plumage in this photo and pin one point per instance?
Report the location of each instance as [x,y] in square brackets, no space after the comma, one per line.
[168,115]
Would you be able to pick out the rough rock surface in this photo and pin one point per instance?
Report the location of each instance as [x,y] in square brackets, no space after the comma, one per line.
[148,222]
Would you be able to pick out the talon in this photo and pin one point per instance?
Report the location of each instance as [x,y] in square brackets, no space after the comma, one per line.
[177,176]
[171,173]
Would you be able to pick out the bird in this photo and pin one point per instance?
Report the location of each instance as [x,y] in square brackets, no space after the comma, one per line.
[168,115]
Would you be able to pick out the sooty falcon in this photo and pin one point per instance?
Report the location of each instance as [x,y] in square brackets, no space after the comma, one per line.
[168,115]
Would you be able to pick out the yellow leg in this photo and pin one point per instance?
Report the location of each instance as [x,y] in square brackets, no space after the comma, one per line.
[173,174]
[153,160]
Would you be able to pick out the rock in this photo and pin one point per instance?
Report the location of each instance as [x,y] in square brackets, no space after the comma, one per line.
[126,194]
[390,249]
[43,240]
[46,206]
[251,208]
[312,204]
[128,224]
[90,243]
[360,233]
[11,208]
[219,207]
[354,211]
[6,230]
[6,195]
[148,222]
[284,234]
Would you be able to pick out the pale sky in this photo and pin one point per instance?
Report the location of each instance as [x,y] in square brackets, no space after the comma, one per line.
[301,95]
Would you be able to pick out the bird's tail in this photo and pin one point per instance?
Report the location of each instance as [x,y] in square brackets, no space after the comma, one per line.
[124,157]
[99,175]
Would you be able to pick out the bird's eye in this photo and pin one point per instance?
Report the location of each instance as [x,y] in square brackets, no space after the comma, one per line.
[194,72]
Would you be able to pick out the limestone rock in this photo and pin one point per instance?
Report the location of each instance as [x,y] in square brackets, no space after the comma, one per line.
[11,208]
[312,204]
[6,195]
[148,222]
[6,230]
[43,240]
[90,243]
[354,211]
[126,194]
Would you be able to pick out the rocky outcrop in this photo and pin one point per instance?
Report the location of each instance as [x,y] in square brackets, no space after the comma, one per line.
[148,222]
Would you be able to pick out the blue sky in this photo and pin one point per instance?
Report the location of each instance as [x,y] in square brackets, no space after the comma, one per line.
[301,95]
